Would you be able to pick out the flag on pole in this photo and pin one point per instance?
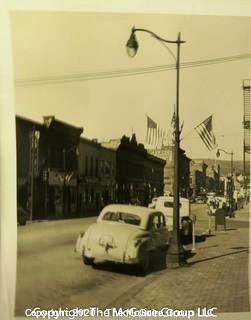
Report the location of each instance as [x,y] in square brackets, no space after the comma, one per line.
[173,122]
[151,134]
[205,131]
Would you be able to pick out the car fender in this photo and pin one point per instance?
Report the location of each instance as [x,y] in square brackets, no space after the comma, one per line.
[136,244]
[79,243]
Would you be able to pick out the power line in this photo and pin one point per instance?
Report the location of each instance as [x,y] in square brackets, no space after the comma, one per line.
[125,72]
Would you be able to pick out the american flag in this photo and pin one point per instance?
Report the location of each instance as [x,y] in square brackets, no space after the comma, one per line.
[205,131]
[152,133]
[155,135]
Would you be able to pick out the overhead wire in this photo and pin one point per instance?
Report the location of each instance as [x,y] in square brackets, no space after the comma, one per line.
[125,72]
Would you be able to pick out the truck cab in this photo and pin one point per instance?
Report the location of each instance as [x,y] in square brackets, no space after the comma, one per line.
[165,205]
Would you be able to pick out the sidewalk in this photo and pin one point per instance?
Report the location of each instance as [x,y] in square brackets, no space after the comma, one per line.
[216,276]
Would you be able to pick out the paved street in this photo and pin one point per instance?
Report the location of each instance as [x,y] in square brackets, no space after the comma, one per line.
[51,274]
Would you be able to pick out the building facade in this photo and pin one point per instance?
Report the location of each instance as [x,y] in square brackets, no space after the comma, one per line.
[198,174]
[139,175]
[213,179]
[28,146]
[62,175]
[167,153]
[97,176]
[47,167]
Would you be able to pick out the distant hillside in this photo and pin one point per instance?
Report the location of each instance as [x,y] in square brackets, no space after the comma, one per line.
[225,165]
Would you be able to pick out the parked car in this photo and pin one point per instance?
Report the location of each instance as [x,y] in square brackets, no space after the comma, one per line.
[124,234]
[191,199]
[218,202]
[165,205]
[22,216]
[200,199]
[153,203]
[221,202]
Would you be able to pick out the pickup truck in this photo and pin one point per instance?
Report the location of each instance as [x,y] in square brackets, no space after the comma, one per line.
[165,205]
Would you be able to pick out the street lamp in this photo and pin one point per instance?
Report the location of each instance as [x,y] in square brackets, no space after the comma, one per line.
[175,252]
[231,172]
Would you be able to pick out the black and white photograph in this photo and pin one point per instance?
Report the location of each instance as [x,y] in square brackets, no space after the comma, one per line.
[132,135]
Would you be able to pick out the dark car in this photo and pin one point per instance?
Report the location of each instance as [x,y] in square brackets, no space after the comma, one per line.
[22,216]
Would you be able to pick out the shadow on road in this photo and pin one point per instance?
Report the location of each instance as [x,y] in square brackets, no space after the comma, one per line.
[158,263]
[217,257]
[117,268]
[239,248]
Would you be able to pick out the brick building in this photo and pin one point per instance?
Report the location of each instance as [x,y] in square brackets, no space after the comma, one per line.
[63,175]
[47,167]
[213,179]
[167,153]
[198,174]
[139,174]
[97,176]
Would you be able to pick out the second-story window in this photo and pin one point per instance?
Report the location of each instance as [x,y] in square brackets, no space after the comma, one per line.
[91,169]
[96,169]
[86,165]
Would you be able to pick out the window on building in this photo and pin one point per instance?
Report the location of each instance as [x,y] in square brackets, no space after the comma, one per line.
[91,167]
[96,169]
[86,165]
[107,167]
[92,196]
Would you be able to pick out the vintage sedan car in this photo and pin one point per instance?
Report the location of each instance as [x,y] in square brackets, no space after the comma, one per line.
[124,234]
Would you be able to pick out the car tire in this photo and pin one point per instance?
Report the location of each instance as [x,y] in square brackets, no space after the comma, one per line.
[144,262]
[88,261]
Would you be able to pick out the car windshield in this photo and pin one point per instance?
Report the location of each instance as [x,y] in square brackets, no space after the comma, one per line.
[122,217]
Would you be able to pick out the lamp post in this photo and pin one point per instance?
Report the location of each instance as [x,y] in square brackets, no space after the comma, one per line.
[175,256]
[231,172]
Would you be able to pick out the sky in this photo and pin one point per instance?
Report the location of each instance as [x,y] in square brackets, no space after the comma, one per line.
[68,46]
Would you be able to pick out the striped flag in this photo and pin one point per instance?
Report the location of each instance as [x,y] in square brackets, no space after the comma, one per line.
[205,131]
[151,134]
[173,122]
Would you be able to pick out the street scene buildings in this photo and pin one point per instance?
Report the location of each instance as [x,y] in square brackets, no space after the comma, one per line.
[74,177]
[103,139]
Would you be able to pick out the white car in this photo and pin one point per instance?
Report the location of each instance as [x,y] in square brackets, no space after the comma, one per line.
[124,234]
[165,205]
